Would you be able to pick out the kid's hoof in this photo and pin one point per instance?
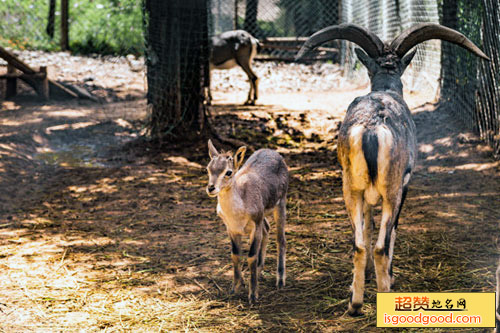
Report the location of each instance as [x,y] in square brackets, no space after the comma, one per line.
[280,284]
[236,288]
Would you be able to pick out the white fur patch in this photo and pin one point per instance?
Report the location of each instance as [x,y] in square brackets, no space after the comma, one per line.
[385,142]
[359,168]
[371,195]
[406,179]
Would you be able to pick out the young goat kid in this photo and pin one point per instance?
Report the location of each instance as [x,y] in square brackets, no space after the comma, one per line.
[233,48]
[377,144]
[245,198]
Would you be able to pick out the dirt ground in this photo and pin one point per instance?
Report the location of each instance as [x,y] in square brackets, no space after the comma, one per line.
[101,231]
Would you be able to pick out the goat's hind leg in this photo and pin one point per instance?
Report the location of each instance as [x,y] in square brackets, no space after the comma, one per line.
[393,234]
[384,248]
[280,220]
[235,256]
[368,226]
[354,204]
[253,94]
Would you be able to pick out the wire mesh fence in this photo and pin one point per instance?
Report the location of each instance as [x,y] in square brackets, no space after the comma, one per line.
[281,24]
[177,66]
[469,86]
[387,19]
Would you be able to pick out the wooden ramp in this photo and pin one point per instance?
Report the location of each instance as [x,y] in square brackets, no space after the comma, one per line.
[38,80]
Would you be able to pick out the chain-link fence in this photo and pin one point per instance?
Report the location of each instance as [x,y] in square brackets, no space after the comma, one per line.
[282,25]
[274,18]
[471,87]
[177,66]
[387,19]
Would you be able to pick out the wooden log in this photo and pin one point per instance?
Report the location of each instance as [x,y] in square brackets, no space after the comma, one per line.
[18,75]
[57,89]
[292,59]
[43,84]
[285,39]
[15,61]
[296,48]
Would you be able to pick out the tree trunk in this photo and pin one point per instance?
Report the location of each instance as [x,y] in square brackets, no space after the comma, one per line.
[177,66]
[50,19]
[251,17]
[65,25]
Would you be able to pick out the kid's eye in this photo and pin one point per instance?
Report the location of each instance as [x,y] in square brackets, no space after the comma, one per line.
[228,173]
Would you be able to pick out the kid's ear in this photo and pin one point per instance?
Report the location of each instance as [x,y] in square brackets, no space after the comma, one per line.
[408,58]
[366,60]
[239,156]
[212,152]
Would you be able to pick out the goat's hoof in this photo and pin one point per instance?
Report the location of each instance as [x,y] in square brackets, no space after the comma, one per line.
[354,309]
[280,284]
[250,102]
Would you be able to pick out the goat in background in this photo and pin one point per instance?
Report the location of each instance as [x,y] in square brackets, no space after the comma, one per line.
[232,48]
[377,144]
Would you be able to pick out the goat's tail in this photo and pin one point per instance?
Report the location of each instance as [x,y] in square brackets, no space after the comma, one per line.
[370,151]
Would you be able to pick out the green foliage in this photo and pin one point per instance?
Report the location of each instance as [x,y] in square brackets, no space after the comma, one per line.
[106,27]
[266,28]
[23,25]
[98,26]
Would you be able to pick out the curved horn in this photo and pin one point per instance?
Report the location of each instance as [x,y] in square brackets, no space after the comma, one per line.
[422,32]
[348,31]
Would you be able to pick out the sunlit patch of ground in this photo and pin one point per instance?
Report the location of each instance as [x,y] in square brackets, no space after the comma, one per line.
[132,242]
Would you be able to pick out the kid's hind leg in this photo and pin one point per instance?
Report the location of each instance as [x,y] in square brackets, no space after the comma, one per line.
[263,246]
[253,254]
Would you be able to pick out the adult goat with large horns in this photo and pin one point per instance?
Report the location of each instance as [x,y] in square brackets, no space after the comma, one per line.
[377,144]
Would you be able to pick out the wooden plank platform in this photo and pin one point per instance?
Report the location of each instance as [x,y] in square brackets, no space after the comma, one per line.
[38,80]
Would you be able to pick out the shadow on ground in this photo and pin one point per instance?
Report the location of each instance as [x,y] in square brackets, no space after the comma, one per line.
[125,237]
